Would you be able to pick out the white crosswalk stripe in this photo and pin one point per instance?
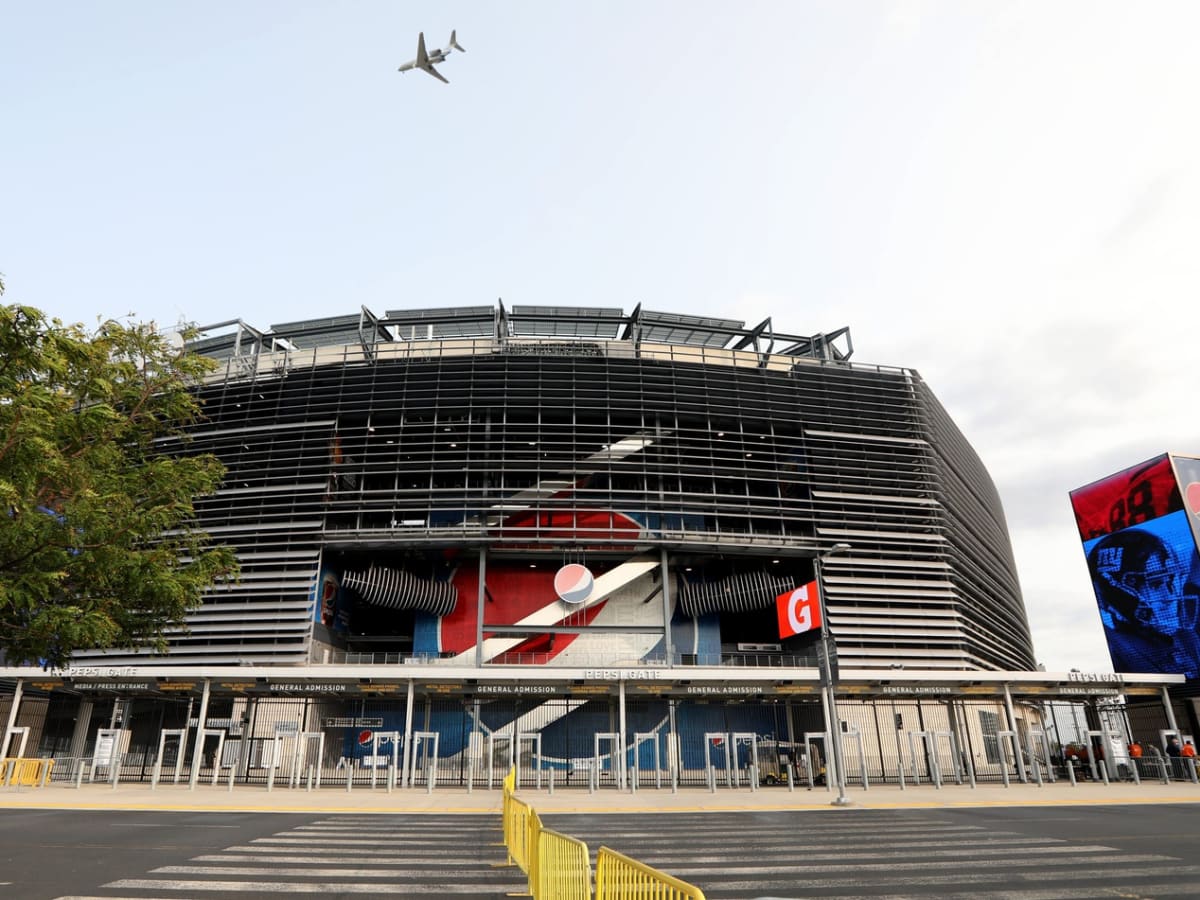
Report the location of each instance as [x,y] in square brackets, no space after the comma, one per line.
[258,888]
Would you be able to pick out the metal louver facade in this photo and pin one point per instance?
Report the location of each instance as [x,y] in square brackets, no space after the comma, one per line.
[384,444]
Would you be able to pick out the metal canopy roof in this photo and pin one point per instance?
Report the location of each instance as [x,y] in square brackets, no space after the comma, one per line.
[524,321]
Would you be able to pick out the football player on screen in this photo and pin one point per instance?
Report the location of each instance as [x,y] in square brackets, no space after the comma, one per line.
[1149,604]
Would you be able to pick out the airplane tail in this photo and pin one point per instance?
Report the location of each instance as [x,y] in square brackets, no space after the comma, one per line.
[454,43]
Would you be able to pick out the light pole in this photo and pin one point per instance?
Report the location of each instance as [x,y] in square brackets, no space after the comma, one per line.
[826,657]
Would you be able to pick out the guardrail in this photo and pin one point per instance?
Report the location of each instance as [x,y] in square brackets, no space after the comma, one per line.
[564,869]
[620,877]
[557,865]
[27,772]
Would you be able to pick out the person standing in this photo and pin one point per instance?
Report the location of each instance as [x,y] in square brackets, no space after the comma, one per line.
[1175,752]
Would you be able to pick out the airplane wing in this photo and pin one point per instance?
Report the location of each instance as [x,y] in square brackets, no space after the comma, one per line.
[422,56]
[434,72]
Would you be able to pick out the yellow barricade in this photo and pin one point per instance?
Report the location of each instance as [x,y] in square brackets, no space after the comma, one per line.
[21,771]
[517,818]
[618,877]
[557,865]
[564,869]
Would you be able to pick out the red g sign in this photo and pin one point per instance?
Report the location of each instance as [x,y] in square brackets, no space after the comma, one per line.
[798,610]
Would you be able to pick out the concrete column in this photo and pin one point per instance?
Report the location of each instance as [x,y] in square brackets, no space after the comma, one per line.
[673,749]
[621,732]
[83,718]
[248,715]
[198,750]
[1012,725]
[1166,699]
[668,647]
[12,718]
[408,729]
[481,599]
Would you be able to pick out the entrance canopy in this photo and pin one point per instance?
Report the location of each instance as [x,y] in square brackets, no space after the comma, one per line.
[692,682]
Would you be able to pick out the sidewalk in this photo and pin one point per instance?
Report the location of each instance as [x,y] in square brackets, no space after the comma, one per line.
[363,799]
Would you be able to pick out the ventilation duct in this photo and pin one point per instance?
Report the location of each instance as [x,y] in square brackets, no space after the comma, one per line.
[734,593]
[397,589]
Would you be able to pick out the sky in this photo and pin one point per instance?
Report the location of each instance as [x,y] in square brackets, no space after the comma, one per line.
[1004,197]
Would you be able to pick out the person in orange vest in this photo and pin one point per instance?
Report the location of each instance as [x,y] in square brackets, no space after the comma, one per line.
[1188,750]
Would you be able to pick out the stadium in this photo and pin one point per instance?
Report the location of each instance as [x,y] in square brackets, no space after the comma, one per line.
[560,537]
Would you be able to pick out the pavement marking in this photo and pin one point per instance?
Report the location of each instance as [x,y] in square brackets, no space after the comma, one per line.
[342,842]
[318,851]
[174,826]
[381,861]
[293,887]
[437,869]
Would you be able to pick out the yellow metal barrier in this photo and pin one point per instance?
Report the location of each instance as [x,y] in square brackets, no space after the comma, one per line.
[564,869]
[557,865]
[618,877]
[20,771]
[516,832]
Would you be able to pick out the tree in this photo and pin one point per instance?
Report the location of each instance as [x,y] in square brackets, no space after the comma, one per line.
[99,545]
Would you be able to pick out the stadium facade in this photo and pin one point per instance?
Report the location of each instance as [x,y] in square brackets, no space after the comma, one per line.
[568,528]
[378,468]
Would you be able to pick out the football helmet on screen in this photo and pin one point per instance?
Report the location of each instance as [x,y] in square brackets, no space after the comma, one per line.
[1139,582]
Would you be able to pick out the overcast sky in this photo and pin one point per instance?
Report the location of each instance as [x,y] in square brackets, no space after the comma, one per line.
[1004,197]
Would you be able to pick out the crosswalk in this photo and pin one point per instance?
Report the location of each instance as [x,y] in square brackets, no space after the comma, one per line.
[341,856]
[880,854]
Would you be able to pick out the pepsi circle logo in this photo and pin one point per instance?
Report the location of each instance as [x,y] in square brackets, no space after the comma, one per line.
[573,583]
[364,737]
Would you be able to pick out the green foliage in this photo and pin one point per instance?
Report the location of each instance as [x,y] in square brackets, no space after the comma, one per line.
[98,544]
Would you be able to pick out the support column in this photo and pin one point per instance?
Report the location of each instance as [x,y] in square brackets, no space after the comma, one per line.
[668,647]
[12,718]
[621,732]
[964,760]
[198,750]
[83,718]
[1012,725]
[1166,699]
[481,599]
[408,717]
[248,717]
[673,754]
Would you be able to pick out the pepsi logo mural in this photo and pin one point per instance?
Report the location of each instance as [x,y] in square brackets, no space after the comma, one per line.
[573,583]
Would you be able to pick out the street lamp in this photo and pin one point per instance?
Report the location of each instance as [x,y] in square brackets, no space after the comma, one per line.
[827,653]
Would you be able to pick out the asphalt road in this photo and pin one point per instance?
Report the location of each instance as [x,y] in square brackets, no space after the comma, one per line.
[1004,853]
[46,854]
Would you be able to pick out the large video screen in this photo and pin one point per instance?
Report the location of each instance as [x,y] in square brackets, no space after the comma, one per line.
[1141,554]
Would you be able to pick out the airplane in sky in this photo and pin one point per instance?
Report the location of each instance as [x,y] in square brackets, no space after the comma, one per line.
[425,60]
